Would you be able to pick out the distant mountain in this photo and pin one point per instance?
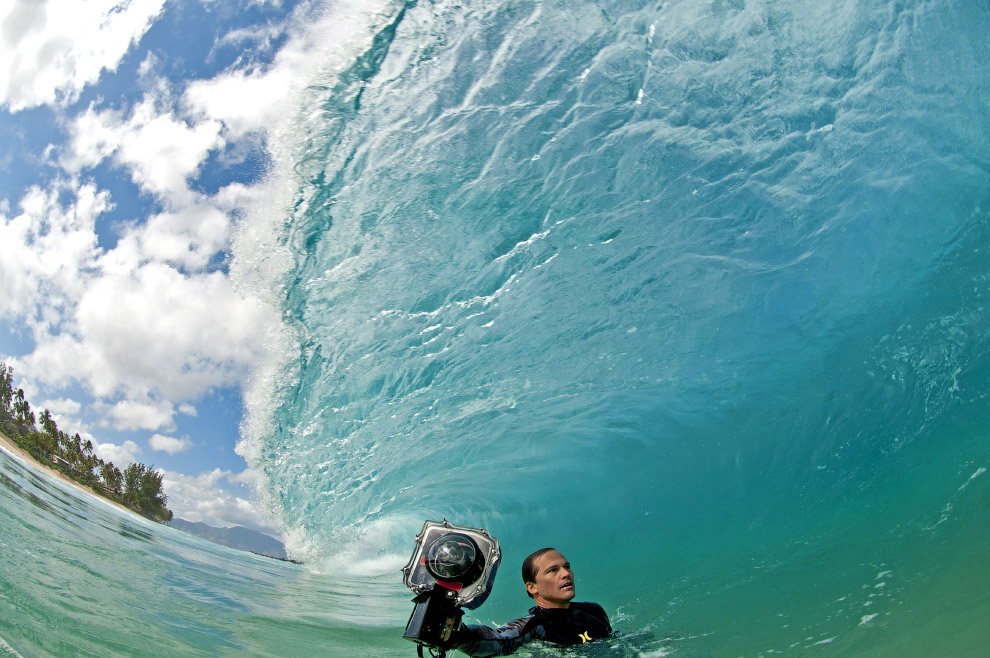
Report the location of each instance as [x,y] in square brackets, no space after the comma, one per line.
[237,537]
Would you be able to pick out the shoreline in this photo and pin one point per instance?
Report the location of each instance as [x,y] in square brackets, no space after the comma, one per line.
[8,445]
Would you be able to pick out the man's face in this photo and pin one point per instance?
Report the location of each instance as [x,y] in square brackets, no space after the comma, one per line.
[554,586]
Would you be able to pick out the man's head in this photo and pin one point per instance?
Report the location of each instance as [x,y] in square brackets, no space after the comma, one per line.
[548,578]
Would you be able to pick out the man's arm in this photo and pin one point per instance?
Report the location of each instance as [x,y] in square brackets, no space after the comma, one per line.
[483,641]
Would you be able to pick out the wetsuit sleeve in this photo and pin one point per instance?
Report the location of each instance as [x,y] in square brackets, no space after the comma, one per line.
[483,641]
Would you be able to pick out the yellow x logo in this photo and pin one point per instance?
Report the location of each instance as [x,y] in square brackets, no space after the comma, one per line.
[585,637]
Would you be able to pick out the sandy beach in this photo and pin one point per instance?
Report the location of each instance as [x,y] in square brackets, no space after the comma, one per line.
[7,444]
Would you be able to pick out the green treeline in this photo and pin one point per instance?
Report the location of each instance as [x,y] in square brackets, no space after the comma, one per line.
[136,487]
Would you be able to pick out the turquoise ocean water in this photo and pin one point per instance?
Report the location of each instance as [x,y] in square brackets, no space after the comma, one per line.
[696,292]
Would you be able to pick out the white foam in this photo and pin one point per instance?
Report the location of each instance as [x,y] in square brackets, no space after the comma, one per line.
[7,651]
[520,246]
[367,549]
[659,653]
[325,44]
[980,471]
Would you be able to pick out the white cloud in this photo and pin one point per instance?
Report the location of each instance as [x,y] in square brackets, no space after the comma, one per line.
[51,49]
[148,64]
[205,499]
[141,334]
[136,414]
[169,444]
[246,101]
[152,338]
[189,238]
[120,456]
[163,151]
[159,149]
[62,407]
[92,139]
[160,329]
[48,248]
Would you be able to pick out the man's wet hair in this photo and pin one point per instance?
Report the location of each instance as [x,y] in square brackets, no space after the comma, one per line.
[529,567]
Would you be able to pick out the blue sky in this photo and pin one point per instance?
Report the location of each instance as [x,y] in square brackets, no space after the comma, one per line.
[137,137]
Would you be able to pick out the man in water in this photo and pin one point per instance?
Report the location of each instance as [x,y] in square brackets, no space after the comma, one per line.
[555,618]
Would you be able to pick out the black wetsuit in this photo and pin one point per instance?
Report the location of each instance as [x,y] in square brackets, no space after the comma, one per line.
[580,623]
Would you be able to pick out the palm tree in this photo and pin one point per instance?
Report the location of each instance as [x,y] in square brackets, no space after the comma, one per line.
[22,410]
[46,443]
[113,479]
[74,447]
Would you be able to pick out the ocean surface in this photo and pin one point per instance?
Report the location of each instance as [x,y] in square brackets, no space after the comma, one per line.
[696,292]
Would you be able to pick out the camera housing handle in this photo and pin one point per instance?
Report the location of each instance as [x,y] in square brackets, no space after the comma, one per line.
[434,619]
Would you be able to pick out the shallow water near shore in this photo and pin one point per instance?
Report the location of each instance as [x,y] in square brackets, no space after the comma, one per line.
[81,578]
[695,292]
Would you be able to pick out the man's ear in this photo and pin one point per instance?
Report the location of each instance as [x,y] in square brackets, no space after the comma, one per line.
[531,588]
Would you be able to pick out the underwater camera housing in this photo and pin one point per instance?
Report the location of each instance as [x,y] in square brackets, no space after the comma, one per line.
[452,567]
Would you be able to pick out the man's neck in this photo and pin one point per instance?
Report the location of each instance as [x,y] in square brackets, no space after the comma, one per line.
[551,605]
